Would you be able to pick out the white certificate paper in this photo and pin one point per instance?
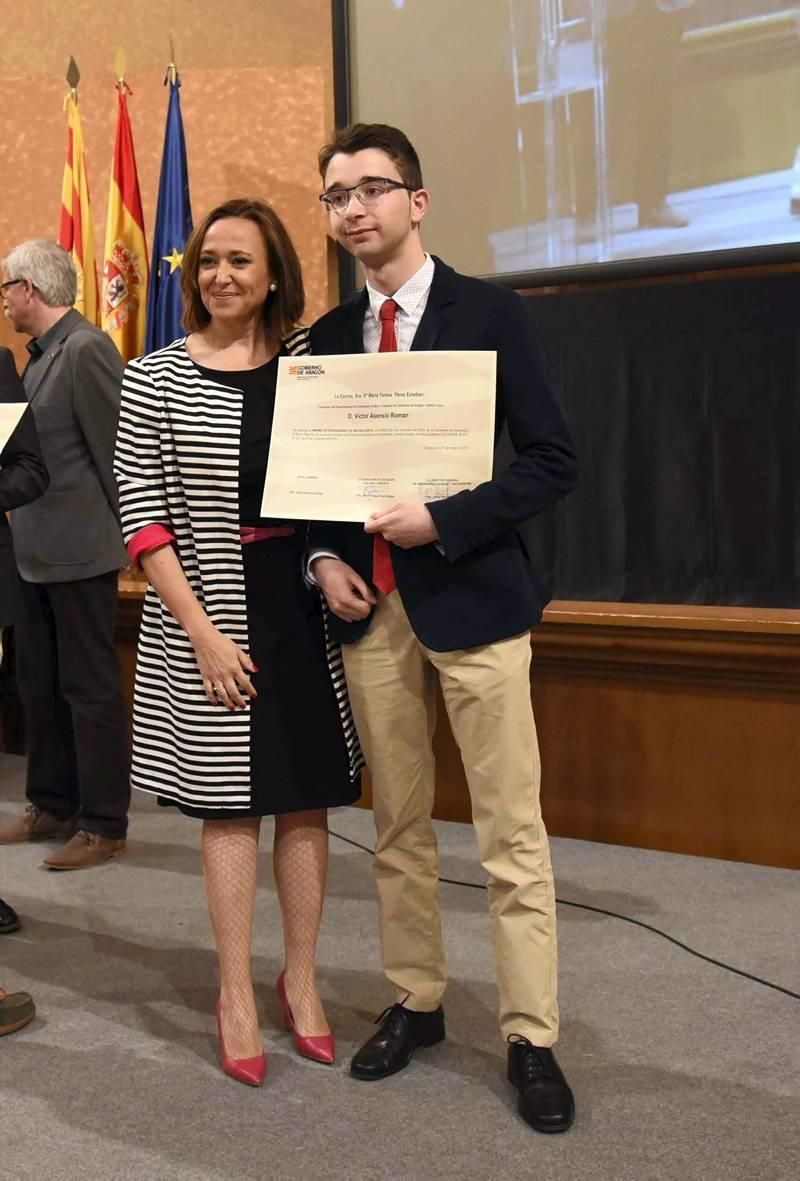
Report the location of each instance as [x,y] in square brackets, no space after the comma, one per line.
[10,414]
[352,434]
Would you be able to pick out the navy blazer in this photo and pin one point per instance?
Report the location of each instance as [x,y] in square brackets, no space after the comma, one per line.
[481,588]
[23,477]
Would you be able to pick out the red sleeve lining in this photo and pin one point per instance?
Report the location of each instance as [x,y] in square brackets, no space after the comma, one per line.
[147,539]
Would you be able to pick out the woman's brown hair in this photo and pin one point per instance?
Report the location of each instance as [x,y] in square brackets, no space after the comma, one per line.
[283,308]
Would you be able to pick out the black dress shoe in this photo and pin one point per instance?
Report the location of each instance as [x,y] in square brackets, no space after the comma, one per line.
[545,1100]
[391,1048]
[9,919]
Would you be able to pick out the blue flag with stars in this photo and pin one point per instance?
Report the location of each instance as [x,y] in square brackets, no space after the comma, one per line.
[173,226]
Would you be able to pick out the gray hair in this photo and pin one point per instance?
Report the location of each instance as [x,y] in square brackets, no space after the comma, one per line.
[49,268]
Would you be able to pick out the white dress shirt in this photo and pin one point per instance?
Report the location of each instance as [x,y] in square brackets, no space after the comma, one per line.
[411,300]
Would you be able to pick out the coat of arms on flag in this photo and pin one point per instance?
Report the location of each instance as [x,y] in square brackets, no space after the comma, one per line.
[124,286]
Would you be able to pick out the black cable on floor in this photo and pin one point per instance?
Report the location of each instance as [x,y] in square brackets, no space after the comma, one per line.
[612,914]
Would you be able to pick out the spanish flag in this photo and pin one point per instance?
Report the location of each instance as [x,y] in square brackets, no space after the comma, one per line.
[75,225]
[124,300]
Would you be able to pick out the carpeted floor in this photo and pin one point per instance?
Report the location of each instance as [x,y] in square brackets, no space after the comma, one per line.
[681,1070]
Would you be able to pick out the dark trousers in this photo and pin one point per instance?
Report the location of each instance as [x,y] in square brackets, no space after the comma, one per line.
[69,680]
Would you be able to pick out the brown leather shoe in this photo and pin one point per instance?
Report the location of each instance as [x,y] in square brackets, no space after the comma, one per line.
[35,825]
[84,851]
[16,1010]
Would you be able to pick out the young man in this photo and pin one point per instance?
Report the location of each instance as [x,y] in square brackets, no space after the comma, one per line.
[445,589]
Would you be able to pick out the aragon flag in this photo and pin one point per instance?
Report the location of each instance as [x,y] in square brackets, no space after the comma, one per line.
[75,224]
[124,296]
[172,227]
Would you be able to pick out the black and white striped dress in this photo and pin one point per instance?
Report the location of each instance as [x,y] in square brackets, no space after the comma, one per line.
[191,455]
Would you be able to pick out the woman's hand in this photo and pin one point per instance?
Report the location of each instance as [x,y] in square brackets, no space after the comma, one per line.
[223,667]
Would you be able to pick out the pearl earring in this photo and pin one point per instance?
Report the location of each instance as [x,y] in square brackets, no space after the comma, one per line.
[273,286]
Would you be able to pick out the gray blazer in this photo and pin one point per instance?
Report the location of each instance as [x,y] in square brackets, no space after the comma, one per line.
[73,531]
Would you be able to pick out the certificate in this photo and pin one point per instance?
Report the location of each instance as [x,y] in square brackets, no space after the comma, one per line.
[352,434]
[10,414]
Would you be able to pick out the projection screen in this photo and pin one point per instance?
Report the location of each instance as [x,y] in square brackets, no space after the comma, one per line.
[562,136]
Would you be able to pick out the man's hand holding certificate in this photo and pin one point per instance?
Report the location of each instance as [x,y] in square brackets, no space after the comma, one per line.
[355,434]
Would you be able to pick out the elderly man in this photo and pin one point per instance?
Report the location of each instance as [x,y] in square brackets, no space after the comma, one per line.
[69,550]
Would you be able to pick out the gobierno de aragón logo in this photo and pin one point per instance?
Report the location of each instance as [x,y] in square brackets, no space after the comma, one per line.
[306,370]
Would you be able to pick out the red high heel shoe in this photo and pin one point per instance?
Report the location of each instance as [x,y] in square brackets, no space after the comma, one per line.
[318,1049]
[245,1070]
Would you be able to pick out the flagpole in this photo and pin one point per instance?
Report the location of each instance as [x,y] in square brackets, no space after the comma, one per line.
[75,220]
[125,269]
[73,78]
[172,69]
[173,224]
[120,66]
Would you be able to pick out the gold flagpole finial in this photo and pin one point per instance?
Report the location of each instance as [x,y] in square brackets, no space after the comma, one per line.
[120,66]
[73,78]
[172,69]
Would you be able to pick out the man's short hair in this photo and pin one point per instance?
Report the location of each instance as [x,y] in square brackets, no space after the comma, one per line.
[359,136]
[49,268]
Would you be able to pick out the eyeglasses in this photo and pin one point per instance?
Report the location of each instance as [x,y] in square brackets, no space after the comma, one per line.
[369,192]
[9,283]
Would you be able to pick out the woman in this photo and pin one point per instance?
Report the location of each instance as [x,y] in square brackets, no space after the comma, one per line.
[235,704]
[23,478]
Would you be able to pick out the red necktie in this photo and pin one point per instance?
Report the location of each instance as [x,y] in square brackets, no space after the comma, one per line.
[382,572]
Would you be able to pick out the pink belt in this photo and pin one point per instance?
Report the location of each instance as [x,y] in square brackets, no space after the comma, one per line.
[251,533]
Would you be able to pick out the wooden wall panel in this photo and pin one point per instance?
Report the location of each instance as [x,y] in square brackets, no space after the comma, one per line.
[673,728]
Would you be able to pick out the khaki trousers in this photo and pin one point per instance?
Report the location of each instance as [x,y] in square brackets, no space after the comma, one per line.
[391,678]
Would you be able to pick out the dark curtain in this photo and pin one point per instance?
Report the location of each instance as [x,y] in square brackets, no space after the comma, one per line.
[683,400]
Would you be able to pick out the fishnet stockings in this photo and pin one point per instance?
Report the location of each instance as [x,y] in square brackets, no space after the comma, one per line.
[300,864]
[230,854]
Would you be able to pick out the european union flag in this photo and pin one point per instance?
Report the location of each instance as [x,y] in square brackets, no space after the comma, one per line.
[173,226]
